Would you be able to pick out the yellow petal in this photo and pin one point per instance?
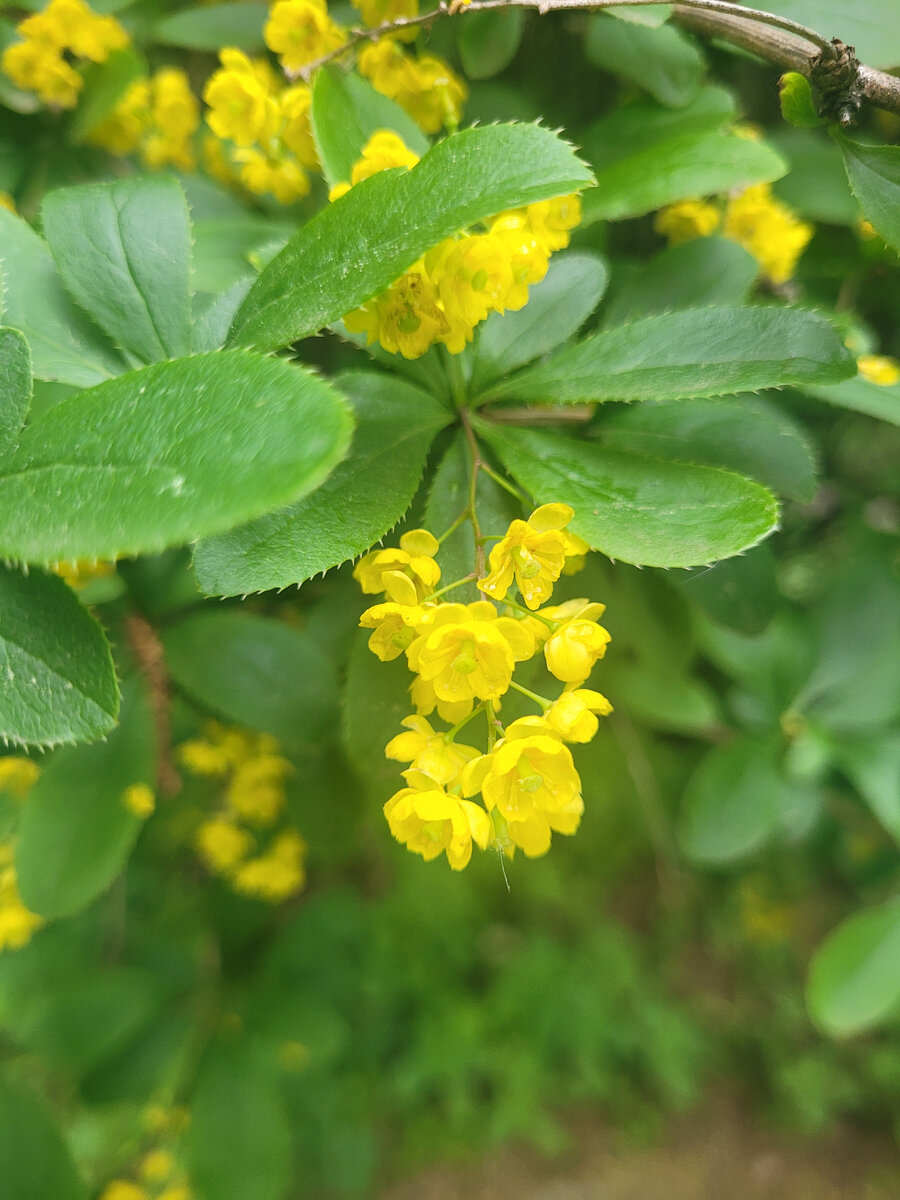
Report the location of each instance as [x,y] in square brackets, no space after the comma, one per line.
[551,516]
[419,542]
[399,587]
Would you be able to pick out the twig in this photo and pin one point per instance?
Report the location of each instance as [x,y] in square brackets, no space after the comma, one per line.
[148,652]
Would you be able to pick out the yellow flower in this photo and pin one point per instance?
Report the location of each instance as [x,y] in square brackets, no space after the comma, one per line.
[473,276]
[572,649]
[221,844]
[203,758]
[551,220]
[375,12]
[139,799]
[408,574]
[80,30]
[156,1166]
[426,700]
[17,924]
[467,651]
[576,549]
[686,220]
[383,150]
[572,715]
[875,368]
[179,1192]
[241,106]
[296,131]
[768,229]
[425,87]
[300,31]
[405,317]
[18,775]
[256,789]
[530,779]
[277,874]
[282,178]
[532,551]
[527,257]
[427,821]
[121,1189]
[429,752]
[38,67]
[124,128]
[393,626]
[7,202]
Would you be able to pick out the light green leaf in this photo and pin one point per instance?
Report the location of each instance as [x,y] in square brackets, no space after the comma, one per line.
[557,308]
[694,353]
[213,316]
[796,98]
[77,830]
[679,168]
[705,271]
[123,250]
[662,697]
[488,41]
[346,111]
[58,679]
[212,26]
[34,1160]
[222,250]
[104,86]
[238,1144]
[859,395]
[15,386]
[167,454]
[642,123]
[663,61]
[745,434]
[64,346]
[870,25]
[364,498]
[873,767]
[254,671]
[355,247]
[874,174]
[637,509]
[732,803]
[854,980]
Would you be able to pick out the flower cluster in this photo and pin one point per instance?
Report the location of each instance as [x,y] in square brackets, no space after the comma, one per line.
[463,279]
[425,86]
[17,923]
[264,136]
[157,117]
[65,32]
[160,1178]
[301,31]
[464,658]
[376,12]
[252,774]
[754,218]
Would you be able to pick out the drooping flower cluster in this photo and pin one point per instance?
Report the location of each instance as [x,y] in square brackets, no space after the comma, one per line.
[754,218]
[247,841]
[17,923]
[157,117]
[425,86]
[464,658]
[448,292]
[264,137]
[54,42]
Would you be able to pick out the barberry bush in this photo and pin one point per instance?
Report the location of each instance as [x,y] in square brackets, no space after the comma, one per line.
[354,363]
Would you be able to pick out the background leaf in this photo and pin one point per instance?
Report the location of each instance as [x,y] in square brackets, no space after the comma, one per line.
[870,25]
[212,26]
[15,386]
[854,979]
[34,1160]
[167,454]
[665,61]
[488,41]
[104,86]
[58,679]
[859,395]
[874,174]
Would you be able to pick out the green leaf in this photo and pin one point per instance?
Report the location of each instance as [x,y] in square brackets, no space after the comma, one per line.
[662,697]
[705,271]
[732,803]
[870,25]
[355,247]
[376,699]
[77,830]
[58,679]
[634,508]
[874,174]
[254,671]
[679,168]
[664,61]
[346,111]
[15,387]
[859,395]
[745,434]
[238,1144]
[796,98]
[488,41]
[854,979]
[213,316]
[642,123]
[212,26]
[816,185]
[123,250]
[740,593]
[167,454]
[104,86]
[693,353]
[222,250]
[364,498]
[64,346]
[873,767]
[557,308]
[34,1160]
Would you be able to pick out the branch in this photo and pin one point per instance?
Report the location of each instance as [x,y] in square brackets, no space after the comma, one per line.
[786,43]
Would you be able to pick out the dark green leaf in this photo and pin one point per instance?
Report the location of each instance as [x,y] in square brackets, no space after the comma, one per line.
[694,353]
[662,697]
[740,593]
[874,174]
[637,509]
[254,671]
[34,1160]
[167,454]
[664,61]
[796,98]
[816,185]
[346,111]
[376,699]
[212,26]
[77,830]
[488,41]
[355,247]
[213,316]
[58,679]
[873,767]
[15,387]
[364,498]
[854,980]
[222,250]
[642,123]
[104,86]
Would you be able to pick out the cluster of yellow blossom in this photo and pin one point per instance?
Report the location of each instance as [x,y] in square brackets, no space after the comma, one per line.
[17,924]
[253,802]
[425,86]
[463,279]
[878,368]
[464,657]
[265,139]
[754,218]
[39,64]
[375,12]
[301,31]
[80,573]
[158,116]
[160,1179]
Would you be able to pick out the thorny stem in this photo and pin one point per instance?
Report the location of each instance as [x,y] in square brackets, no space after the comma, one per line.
[475,455]
[148,652]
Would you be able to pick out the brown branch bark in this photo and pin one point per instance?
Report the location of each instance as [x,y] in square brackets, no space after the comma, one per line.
[148,652]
